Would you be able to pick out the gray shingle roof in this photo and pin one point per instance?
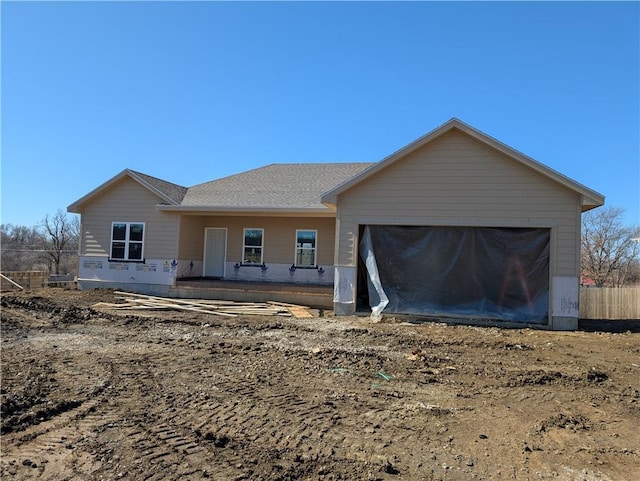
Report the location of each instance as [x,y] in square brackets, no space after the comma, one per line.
[274,186]
[173,191]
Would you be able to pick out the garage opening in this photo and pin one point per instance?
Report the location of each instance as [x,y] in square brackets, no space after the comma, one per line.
[477,272]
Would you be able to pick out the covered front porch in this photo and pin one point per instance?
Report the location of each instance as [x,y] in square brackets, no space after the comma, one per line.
[310,295]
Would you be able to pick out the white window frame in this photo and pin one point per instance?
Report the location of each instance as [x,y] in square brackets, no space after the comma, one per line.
[300,248]
[245,246]
[127,241]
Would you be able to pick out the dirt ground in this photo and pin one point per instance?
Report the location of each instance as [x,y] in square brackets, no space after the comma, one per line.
[160,395]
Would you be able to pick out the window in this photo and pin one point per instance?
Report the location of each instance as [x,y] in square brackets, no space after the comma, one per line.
[306,248]
[127,240]
[252,248]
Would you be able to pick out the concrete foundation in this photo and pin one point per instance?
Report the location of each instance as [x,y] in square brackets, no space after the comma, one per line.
[148,289]
[344,308]
[564,323]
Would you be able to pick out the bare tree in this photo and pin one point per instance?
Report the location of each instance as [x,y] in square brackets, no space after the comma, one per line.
[633,274]
[61,235]
[610,250]
[20,248]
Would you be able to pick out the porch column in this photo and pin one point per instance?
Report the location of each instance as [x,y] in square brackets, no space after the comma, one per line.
[344,291]
[565,295]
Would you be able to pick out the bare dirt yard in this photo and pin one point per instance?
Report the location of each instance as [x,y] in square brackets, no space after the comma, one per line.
[90,394]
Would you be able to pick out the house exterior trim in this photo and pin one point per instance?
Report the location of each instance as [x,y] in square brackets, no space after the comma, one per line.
[590,198]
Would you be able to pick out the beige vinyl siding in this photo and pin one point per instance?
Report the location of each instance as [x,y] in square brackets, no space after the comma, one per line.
[128,201]
[456,180]
[279,236]
[191,244]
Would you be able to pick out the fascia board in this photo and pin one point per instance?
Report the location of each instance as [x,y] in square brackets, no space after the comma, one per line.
[589,195]
[330,197]
[153,189]
[75,206]
[258,211]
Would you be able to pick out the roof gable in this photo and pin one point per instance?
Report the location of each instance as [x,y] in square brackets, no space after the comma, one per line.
[590,198]
[171,192]
[168,193]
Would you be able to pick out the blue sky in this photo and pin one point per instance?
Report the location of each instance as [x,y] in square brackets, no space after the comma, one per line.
[190,92]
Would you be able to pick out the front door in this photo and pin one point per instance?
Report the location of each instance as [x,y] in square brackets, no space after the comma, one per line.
[215,252]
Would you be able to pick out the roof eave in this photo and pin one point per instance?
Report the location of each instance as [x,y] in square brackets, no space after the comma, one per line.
[76,207]
[152,188]
[589,196]
[331,196]
[589,202]
[330,203]
[258,211]
[597,199]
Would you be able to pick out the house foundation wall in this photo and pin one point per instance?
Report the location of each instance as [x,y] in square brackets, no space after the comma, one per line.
[140,288]
[102,270]
[281,273]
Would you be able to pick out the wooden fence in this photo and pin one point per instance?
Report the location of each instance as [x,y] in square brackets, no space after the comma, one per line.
[27,279]
[614,303]
[35,279]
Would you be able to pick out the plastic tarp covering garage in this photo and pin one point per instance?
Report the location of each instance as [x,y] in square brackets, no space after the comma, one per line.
[478,272]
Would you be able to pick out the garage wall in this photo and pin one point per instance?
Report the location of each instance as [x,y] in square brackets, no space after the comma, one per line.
[455,180]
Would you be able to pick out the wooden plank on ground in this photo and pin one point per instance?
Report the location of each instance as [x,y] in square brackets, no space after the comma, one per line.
[222,308]
[286,304]
[300,312]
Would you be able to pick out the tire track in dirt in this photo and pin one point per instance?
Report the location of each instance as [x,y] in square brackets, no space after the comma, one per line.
[49,445]
[248,414]
[154,431]
[52,441]
[168,435]
[232,421]
[250,399]
[283,421]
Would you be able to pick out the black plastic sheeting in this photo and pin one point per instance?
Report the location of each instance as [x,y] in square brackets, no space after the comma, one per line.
[479,272]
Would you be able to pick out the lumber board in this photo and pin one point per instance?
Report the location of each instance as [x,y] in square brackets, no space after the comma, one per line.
[173,300]
[99,305]
[12,282]
[286,304]
[300,312]
[215,307]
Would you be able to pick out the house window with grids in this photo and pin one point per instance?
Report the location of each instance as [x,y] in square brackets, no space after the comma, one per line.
[127,241]
[306,248]
[253,246]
